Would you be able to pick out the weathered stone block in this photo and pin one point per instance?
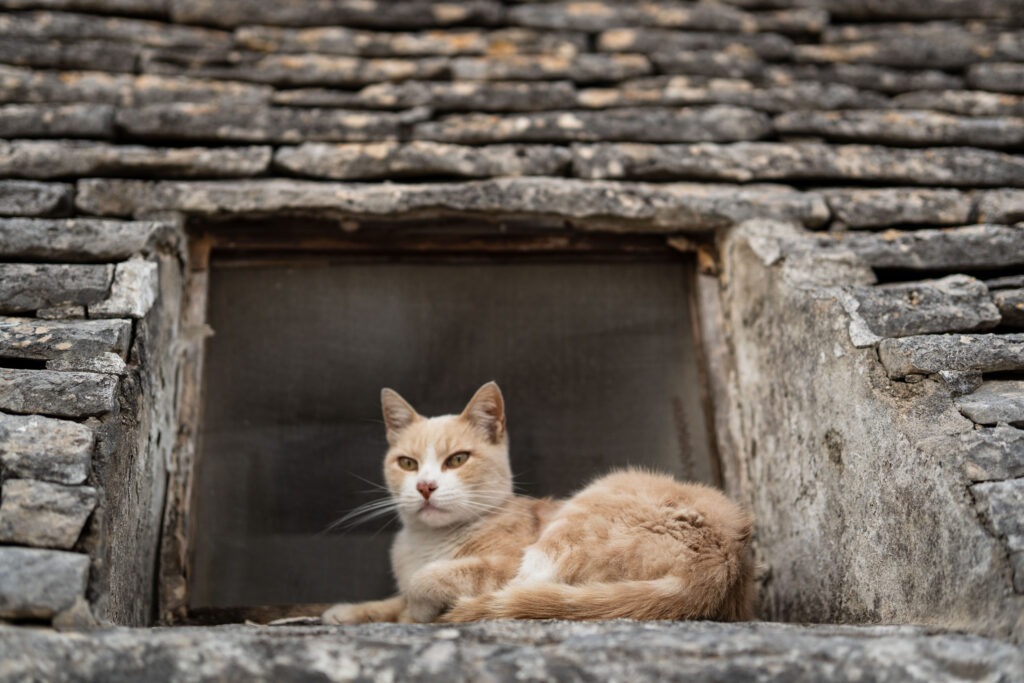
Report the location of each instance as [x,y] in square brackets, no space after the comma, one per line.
[1000,206]
[903,127]
[1011,306]
[370,13]
[971,247]
[873,208]
[652,41]
[963,102]
[263,124]
[1002,505]
[67,27]
[62,312]
[45,515]
[78,239]
[35,447]
[604,14]
[107,363]
[957,303]
[715,123]
[800,20]
[583,68]
[389,159]
[904,10]
[868,76]
[147,8]
[738,63]
[29,286]
[58,54]
[996,401]
[45,340]
[993,453]
[61,394]
[29,198]
[37,584]
[1001,77]
[65,121]
[928,354]
[133,292]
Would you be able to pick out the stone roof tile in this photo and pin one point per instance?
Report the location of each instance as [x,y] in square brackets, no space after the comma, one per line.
[881,207]
[928,354]
[905,127]
[60,120]
[584,68]
[656,41]
[26,287]
[72,27]
[963,102]
[34,199]
[998,76]
[974,247]
[78,239]
[957,303]
[605,14]
[57,394]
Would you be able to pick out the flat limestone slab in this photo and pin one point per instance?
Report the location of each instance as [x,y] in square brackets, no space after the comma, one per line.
[509,650]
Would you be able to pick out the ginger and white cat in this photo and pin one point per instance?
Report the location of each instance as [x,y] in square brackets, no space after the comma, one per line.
[631,544]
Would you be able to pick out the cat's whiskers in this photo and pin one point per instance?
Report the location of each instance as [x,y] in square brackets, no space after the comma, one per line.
[364,513]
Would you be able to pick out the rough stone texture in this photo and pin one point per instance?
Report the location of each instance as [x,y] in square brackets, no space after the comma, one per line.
[1000,502]
[440,96]
[148,8]
[1011,306]
[868,76]
[58,121]
[108,363]
[45,340]
[390,159]
[45,515]
[133,292]
[262,124]
[62,312]
[35,447]
[718,123]
[37,584]
[658,41]
[746,161]
[993,453]
[65,158]
[903,127]
[604,14]
[874,208]
[78,239]
[1004,77]
[971,247]
[60,394]
[584,68]
[61,54]
[957,303]
[509,650]
[1001,206]
[29,286]
[996,401]
[740,62]
[67,27]
[855,10]
[963,102]
[927,354]
[30,198]
[584,204]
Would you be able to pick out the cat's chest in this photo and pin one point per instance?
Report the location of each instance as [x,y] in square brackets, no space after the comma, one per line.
[413,550]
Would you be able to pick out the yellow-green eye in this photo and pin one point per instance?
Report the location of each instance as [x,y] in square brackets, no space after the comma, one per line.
[456,460]
[407,463]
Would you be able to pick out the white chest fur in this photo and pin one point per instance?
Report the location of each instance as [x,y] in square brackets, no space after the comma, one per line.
[415,547]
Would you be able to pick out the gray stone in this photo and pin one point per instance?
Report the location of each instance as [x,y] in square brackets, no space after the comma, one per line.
[67,158]
[738,63]
[86,54]
[35,447]
[853,10]
[605,14]
[106,363]
[66,27]
[67,121]
[29,286]
[62,312]
[690,90]
[133,292]
[30,198]
[958,382]
[746,161]
[45,340]
[873,208]
[993,453]
[963,102]
[1001,77]
[903,127]
[971,247]
[37,584]
[583,68]
[928,354]
[369,13]
[146,8]
[584,204]
[263,124]
[390,159]
[1017,563]
[347,41]
[1006,282]
[44,515]
[60,394]
[291,70]
[717,123]
[1011,306]
[79,239]
[474,96]
[956,303]
[868,76]
[1000,206]
[798,20]
[510,650]
[1002,505]
[660,41]
[994,402]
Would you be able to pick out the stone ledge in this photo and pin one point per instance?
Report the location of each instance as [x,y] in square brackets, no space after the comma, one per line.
[79,239]
[966,248]
[930,354]
[26,287]
[882,207]
[59,394]
[49,339]
[510,650]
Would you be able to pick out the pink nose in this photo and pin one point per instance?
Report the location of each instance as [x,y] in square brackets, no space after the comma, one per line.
[426,488]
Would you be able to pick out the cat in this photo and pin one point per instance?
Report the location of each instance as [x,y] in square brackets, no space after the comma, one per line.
[631,544]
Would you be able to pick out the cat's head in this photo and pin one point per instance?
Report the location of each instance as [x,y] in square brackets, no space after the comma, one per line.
[450,469]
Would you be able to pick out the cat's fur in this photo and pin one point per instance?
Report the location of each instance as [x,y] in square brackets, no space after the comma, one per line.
[631,544]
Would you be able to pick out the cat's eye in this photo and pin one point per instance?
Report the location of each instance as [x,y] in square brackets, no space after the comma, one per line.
[407,464]
[456,460]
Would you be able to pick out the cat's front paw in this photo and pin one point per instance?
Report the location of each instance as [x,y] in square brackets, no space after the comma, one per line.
[343,614]
[423,610]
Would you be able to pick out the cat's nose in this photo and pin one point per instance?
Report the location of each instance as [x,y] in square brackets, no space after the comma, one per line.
[426,488]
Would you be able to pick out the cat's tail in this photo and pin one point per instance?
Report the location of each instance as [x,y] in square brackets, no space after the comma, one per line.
[670,597]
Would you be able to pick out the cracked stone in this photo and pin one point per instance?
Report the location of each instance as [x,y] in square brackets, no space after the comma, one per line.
[25,287]
[970,247]
[30,198]
[37,583]
[929,354]
[133,291]
[57,121]
[996,401]
[873,208]
[42,514]
[79,239]
[903,127]
[45,340]
[59,394]
[35,447]
[993,453]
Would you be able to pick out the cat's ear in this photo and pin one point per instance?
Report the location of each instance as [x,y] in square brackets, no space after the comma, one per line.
[398,414]
[487,410]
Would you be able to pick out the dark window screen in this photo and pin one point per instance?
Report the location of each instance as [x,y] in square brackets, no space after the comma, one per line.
[595,358]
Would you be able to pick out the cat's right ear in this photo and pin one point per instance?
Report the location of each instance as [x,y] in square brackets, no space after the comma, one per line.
[398,414]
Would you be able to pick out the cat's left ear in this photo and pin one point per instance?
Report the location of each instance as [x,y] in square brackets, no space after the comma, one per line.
[487,410]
